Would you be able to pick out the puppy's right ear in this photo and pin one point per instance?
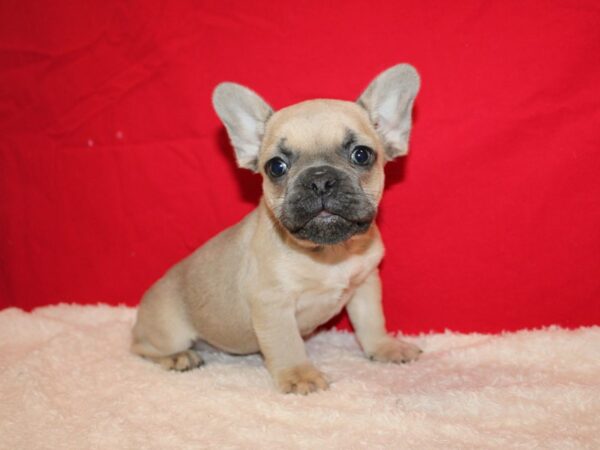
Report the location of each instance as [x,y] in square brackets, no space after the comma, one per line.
[244,114]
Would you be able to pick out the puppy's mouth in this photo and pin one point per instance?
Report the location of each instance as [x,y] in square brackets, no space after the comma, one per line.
[326,206]
[328,228]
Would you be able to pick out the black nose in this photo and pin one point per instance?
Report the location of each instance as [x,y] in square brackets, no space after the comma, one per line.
[322,180]
[322,186]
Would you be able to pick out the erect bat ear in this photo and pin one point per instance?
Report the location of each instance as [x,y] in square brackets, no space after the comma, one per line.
[389,100]
[244,114]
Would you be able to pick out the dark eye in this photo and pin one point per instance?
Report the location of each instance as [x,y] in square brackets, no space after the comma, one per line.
[361,155]
[277,167]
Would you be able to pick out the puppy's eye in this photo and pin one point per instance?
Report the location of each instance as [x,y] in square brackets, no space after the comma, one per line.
[361,155]
[277,167]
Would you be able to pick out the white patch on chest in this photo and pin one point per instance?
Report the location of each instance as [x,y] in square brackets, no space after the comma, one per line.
[324,295]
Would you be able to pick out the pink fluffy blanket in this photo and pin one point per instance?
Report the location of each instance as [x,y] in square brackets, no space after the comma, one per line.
[67,380]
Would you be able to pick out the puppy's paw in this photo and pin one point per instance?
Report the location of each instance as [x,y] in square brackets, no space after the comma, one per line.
[396,351]
[182,361]
[302,379]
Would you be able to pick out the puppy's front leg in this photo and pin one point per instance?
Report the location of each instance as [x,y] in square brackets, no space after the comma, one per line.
[282,346]
[366,315]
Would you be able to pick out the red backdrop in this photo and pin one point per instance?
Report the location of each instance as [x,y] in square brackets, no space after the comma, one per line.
[113,165]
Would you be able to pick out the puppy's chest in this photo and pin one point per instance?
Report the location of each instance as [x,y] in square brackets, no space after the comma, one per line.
[324,294]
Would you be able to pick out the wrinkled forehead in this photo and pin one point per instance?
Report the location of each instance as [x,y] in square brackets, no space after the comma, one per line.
[316,125]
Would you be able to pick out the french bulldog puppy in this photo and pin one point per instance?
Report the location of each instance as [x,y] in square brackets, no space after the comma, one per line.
[309,249]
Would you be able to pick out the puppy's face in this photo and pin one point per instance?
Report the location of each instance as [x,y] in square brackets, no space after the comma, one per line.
[322,160]
[322,166]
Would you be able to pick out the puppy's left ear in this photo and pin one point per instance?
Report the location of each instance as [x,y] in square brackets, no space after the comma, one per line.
[244,114]
[389,100]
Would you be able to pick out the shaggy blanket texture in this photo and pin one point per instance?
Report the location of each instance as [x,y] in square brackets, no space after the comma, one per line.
[67,380]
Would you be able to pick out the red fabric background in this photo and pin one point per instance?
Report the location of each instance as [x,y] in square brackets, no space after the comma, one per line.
[113,165]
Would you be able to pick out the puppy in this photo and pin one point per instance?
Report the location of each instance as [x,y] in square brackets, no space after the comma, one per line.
[309,249]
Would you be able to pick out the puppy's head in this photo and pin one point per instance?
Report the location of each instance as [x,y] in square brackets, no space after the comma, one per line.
[322,160]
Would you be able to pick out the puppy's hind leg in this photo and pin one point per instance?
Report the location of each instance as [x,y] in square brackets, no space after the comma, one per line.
[163,334]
